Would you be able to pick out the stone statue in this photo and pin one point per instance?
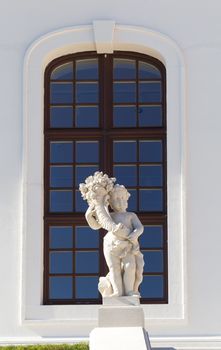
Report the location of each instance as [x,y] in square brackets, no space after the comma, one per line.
[121,247]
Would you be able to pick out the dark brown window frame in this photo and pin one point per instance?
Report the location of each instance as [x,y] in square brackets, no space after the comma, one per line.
[105,132]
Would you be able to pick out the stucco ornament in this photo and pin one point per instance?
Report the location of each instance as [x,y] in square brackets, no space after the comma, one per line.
[121,247]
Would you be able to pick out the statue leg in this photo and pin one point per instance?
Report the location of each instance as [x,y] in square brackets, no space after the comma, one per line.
[139,271]
[114,265]
[129,273]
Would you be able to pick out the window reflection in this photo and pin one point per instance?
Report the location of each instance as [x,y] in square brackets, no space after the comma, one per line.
[87,69]
[61,93]
[61,201]
[124,69]
[87,262]
[63,72]
[86,287]
[152,287]
[60,237]
[87,152]
[61,117]
[61,262]
[60,287]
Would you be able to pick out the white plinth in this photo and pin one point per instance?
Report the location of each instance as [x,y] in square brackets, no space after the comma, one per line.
[121,326]
[119,338]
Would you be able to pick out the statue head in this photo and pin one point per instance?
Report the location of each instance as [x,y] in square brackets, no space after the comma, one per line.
[119,198]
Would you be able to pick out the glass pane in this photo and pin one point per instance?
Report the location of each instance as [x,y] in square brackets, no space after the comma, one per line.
[151,175]
[63,72]
[150,115]
[151,200]
[86,92]
[81,205]
[124,69]
[60,237]
[132,202]
[60,287]
[61,93]
[61,152]
[125,116]
[152,287]
[125,151]
[153,261]
[86,237]
[61,262]
[61,201]
[150,151]
[86,287]
[61,117]
[124,92]
[61,176]
[150,92]
[87,116]
[152,237]
[87,152]
[87,69]
[148,71]
[126,174]
[83,171]
[87,262]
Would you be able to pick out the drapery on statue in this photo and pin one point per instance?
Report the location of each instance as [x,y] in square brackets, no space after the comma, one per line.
[121,247]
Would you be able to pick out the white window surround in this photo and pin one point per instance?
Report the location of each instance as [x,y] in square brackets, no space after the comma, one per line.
[103,36]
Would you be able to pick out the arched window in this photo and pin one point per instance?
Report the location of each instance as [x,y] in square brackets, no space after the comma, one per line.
[107,113]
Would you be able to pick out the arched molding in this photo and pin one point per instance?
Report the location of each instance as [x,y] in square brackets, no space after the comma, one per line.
[107,36]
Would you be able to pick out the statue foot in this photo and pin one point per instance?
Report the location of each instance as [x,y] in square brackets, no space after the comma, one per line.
[133,294]
[116,295]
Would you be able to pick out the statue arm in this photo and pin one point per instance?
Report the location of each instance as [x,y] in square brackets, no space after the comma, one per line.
[137,227]
[91,219]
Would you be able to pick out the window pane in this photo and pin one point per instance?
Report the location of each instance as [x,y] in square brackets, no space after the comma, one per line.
[152,237]
[60,237]
[125,151]
[124,69]
[152,287]
[150,92]
[61,117]
[61,176]
[150,151]
[60,287]
[83,171]
[87,262]
[151,200]
[87,116]
[87,152]
[61,201]
[87,287]
[86,92]
[61,152]
[148,71]
[86,237]
[87,69]
[126,174]
[153,261]
[151,175]
[81,205]
[125,116]
[124,92]
[63,72]
[61,262]
[132,202]
[150,116]
[61,93]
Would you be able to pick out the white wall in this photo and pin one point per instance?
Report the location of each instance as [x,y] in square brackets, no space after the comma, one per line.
[196,28]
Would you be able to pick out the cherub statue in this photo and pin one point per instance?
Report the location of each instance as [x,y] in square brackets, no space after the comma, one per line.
[121,247]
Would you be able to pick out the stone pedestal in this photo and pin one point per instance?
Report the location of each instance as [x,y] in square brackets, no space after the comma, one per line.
[120,326]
